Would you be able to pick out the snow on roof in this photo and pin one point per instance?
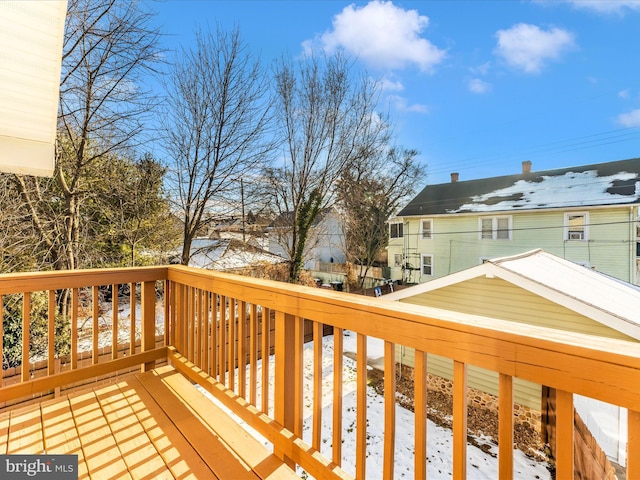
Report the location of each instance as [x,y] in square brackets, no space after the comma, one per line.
[568,190]
[611,183]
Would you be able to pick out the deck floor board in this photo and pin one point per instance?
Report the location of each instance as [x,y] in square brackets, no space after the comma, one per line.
[145,426]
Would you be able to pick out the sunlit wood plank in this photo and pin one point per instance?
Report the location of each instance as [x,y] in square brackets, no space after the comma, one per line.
[95,329]
[264,355]
[26,333]
[361,406]
[389,410]
[132,318]
[564,435]
[633,444]
[51,332]
[74,328]
[231,344]
[242,354]
[420,412]
[316,436]
[505,427]
[336,423]
[459,421]
[215,324]
[114,321]
[253,353]
[222,349]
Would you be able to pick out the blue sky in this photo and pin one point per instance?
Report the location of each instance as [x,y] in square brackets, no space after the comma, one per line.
[476,86]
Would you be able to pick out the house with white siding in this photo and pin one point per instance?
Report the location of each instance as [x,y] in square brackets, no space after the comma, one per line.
[586,214]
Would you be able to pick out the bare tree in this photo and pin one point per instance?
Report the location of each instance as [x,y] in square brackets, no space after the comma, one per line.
[369,193]
[109,45]
[327,119]
[216,125]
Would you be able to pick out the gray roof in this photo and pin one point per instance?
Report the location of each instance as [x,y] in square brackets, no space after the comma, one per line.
[612,183]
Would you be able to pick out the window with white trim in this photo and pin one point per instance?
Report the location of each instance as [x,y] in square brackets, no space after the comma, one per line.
[395,230]
[495,228]
[426,228]
[576,226]
[426,265]
[397,260]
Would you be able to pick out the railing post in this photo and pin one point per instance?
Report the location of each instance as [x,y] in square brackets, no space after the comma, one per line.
[564,435]
[459,421]
[148,302]
[287,359]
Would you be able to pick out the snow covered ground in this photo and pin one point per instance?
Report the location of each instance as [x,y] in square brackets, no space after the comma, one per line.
[480,465]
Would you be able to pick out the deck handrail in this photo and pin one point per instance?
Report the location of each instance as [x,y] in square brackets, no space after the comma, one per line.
[214,321]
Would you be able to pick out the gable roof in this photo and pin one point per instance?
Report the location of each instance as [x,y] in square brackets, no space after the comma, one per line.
[600,297]
[612,183]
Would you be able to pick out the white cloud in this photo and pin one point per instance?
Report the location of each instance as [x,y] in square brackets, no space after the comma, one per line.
[390,84]
[479,86]
[401,104]
[624,94]
[528,47]
[607,6]
[383,36]
[630,119]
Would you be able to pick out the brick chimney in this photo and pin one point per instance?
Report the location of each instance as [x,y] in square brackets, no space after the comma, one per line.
[454,177]
[526,167]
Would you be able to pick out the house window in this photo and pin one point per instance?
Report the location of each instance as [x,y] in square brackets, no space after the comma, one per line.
[426,265]
[426,228]
[397,260]
[576,226]
[495,228]
[395,230]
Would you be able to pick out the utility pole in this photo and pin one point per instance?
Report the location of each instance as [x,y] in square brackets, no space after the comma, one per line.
[244,239]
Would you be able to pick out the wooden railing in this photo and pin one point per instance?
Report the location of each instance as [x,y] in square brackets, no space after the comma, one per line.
[216,328]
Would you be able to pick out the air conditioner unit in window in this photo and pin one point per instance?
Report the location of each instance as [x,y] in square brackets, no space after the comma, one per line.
[576,235]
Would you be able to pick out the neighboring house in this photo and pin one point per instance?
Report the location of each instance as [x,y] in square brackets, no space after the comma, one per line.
[540,289]
[324,245]
[586,214]
[225,255]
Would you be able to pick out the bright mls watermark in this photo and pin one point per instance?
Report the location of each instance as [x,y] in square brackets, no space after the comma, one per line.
[39,467]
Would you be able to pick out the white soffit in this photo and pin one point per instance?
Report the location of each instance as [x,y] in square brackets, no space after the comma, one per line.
[31,36]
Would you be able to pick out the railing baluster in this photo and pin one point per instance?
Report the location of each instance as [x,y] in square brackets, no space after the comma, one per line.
[168,294]
[264,355]
[633,444]
[114,321]
[298,378]
[389,410]
[51,318]
[214,336]
[242,356]
[222,360]
[95,313]
[336,423]
[74,328]
[564,435]
[1,340]
[459,421]
[206,331]
[505,427]
[26,321]
[132,319]
[317,385]
[231,349]
[253,354]
[190,322]
[148,321]
[199,328]
[361,406]
[420,412]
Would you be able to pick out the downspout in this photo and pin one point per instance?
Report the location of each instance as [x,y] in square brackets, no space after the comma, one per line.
[632,247]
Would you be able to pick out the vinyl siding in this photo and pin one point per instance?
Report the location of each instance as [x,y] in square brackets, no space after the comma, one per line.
[496,298]
[456,244]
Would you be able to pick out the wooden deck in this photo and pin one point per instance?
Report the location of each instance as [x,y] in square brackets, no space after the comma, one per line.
[154,425]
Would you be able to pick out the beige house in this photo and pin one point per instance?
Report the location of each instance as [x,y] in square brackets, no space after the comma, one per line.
[540,289]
